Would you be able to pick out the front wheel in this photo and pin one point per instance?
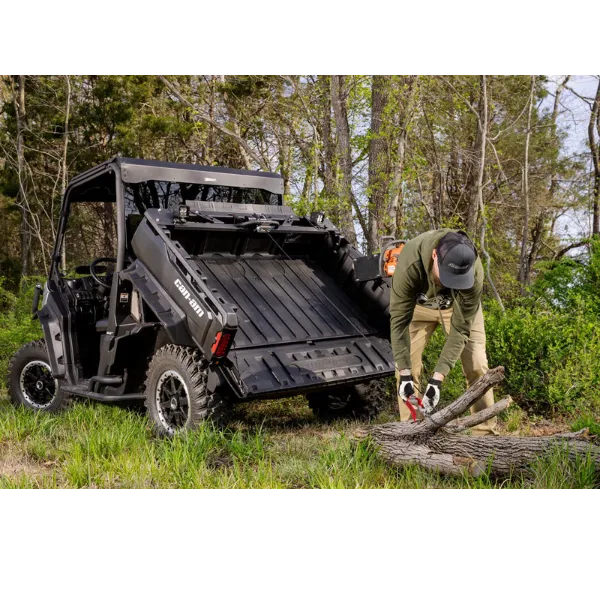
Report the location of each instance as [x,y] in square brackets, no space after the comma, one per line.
[177,398]
[30,381]
[361,401]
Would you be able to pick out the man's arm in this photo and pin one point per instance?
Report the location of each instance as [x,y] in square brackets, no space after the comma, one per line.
[463,313]
[402,306]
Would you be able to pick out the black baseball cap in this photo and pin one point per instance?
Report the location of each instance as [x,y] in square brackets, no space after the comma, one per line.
[456,257]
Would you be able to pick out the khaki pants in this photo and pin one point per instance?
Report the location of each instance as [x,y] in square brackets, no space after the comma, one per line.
[473,359]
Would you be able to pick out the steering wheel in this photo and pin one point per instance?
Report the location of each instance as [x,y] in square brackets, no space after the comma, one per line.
[102,281]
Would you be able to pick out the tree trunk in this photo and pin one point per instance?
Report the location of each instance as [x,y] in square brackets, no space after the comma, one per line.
[64,165]
[483,115]
[209,152]
[435,442]
[523,262]
[537,238]
[21,116]
[233,120]
[328,160]
[407,97]
[110,242]
[476,178]
[305,197]
[456,454]
[344,153]
[285,163]
[379,172]
[540,229]
[594,124]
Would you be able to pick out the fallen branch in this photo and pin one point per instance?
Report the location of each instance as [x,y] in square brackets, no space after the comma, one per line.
[435,442]
[459,425]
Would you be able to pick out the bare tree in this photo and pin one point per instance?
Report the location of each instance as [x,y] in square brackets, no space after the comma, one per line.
[379,164]
[21,116]
[523,262]
[328,157]
[344,152]
[64,171]
[248,153]
[540,228]
[475,185]
[474,182]
[407,98]
[593,130]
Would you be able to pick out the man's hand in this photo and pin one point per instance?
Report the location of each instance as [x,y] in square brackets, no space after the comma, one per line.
[407,387]
[432,394]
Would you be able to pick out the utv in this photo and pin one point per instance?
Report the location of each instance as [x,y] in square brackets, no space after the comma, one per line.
[200,290]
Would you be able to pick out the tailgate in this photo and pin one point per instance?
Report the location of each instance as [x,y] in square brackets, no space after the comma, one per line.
[293,368]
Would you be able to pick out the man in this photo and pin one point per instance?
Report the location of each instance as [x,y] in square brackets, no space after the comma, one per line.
[438,280]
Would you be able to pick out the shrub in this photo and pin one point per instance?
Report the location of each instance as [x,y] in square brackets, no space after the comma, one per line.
[16,326]
[551,358]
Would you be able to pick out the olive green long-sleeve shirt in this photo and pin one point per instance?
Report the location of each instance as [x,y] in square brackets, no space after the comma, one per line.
[414,276]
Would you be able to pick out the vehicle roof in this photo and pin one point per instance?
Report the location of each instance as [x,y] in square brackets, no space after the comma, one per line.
[136,170]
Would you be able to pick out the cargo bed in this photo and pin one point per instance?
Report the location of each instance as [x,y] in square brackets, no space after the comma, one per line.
[282,300]
[296,326]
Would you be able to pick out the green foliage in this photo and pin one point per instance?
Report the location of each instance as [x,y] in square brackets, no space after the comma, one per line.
[587,421]
[550,341]
[16,326]
[551,358]
[569,284]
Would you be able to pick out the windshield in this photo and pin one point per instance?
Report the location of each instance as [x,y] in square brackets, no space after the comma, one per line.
[170,194]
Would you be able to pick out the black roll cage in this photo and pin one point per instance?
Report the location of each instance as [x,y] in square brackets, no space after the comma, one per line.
[133,170]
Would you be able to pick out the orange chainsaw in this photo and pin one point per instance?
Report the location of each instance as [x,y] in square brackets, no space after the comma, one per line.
[379,266]
[388,259]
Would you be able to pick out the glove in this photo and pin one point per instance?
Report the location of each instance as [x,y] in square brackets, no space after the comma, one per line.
[432,395]
[406,388]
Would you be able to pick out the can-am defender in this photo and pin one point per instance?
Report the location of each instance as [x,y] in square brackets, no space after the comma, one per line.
[200,290]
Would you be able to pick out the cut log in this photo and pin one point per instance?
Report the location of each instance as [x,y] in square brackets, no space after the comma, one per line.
[482,416]
[435,442]
[453,454]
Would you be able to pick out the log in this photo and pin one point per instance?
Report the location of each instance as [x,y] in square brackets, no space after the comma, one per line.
[459,425]
[436,442]
[453,453]
[459,406]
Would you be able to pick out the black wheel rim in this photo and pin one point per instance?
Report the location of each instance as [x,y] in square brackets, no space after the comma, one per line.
[37,384]
[172,401]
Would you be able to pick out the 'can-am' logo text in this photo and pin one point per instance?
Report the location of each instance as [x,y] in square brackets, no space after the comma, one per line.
[193,303]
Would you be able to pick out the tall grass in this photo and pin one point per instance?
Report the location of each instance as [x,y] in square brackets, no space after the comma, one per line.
[269,445]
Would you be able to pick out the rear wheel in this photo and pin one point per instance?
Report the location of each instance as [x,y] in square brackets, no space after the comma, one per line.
[177,398]
[360,401]
[30,381]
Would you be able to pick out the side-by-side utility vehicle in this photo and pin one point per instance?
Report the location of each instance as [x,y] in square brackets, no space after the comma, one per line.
[199,290]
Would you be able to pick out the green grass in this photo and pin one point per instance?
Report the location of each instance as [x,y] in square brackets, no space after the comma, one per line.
[587,421]
[274,444]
